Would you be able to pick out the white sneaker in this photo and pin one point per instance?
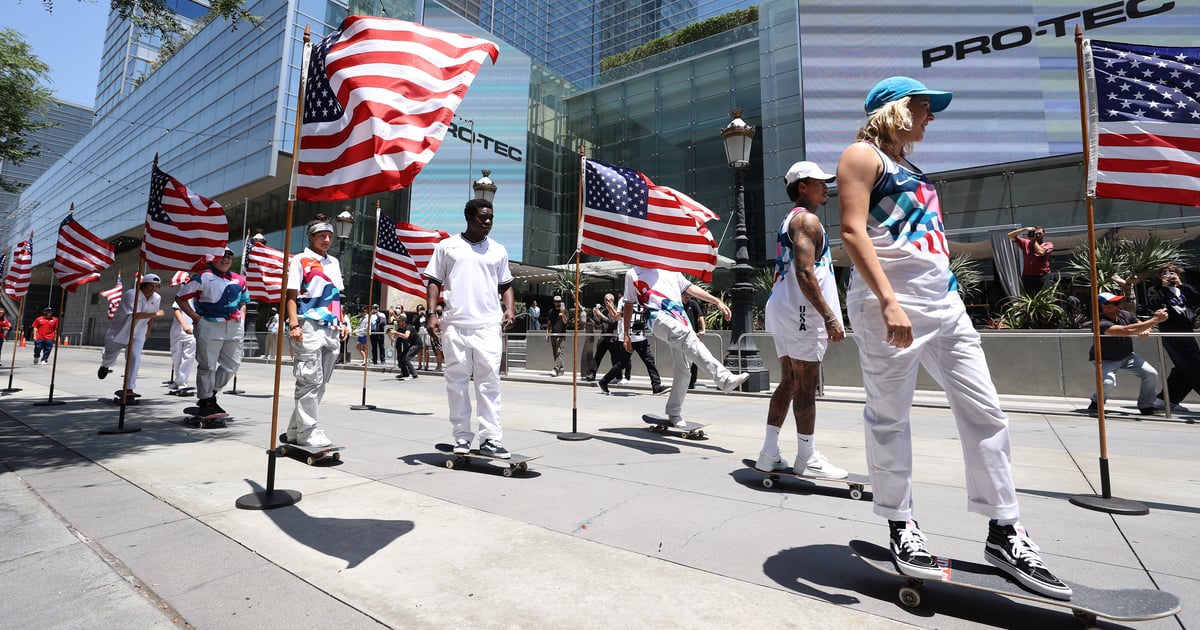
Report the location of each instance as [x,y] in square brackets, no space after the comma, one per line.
[734,382]
[678,422]
[316,439]
[818,466]
[770,463]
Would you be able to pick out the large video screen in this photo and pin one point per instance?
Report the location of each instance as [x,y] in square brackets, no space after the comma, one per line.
[489,132]
[1011,65]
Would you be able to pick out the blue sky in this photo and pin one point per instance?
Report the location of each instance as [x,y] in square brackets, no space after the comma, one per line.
[69,40]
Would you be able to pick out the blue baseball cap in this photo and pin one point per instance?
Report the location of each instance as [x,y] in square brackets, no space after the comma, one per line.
[896,88]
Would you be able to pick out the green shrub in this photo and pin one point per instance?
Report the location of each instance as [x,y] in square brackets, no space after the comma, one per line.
[686,35]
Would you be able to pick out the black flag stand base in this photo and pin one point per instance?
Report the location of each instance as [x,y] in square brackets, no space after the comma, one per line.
[1105,502]
[574,435]
[269,498]
[10,390]
[364,406]
[235,391]
[49,403]
[121,428]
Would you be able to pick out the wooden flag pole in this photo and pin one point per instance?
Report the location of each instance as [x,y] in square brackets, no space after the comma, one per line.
[370,292]
[575,435]
[269,497]
[20,331]
[234,391]
[1105,501]
[62,309]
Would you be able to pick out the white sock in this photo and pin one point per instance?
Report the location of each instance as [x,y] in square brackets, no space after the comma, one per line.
[1003,522]
[771,441]
[805,447]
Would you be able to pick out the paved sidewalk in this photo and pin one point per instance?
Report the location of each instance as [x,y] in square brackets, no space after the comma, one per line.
[628,529]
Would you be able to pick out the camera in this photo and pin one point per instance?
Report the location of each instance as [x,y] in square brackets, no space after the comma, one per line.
[597,307]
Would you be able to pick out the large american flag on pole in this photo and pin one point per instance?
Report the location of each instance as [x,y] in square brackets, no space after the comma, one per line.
[379,95]
[80,256]
[626,217]
[113,296]
[264,273]
[402,252]
[20,271]
[1144,122]
[183,230]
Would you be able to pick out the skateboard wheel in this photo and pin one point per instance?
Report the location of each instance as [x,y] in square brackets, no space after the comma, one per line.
[523,467]
[283,451]
[508,472]
[910,597]
[768,483]
[310,460]
[337,457]
[856,492]
[700,435]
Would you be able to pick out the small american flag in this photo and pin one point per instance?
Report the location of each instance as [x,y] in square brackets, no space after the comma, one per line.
[16,283]
[1145,122]
[626,217]
[113,296]
[402,253]
[80,256]
[379,95]
[183,230]
[264,273]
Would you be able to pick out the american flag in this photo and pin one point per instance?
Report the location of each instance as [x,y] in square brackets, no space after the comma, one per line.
[1145,122]
[264,273]
[81,255]
[379,95]
[16,283]
[180,278]
[183,230]
[401,254]
[113,296]
[626,217]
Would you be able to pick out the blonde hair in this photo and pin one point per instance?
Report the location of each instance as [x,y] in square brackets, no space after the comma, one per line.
[883,124]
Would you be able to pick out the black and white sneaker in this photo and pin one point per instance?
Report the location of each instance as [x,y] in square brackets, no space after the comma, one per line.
[1011,550]
[910,553]
[462,447]
[493,448]
[102,372]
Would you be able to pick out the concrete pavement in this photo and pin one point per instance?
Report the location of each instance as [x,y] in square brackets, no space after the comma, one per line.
[628,529]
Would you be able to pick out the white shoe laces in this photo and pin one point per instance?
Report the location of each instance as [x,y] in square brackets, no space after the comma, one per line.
[912,541]
[1023,548]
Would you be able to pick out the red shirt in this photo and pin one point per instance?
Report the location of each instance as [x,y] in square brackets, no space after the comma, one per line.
[1035,265]
[44,328]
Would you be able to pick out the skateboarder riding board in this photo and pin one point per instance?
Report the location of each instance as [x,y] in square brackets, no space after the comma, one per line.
[905,311]
[220,297]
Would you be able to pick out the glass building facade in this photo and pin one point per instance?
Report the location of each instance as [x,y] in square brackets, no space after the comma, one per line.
[220,116]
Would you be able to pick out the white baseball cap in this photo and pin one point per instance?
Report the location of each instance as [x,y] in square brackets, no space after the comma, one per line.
[806,170]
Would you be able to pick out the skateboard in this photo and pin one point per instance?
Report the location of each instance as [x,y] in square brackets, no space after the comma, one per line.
[515,462]
[205,422]
[659,424]
[183,391]
[1086,603]
[857,483]
[310,454]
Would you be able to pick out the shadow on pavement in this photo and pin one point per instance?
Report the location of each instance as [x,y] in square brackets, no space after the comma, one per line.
[753,479]
[439,460]
[667,438]
[1187,509]
[351,539]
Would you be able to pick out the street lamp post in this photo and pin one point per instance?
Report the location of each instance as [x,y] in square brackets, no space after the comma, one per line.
[484,187]
[742,353]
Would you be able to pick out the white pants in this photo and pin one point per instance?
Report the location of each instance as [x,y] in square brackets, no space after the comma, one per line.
[218,354]
[112,350]
[473,352]
[948,346]
[183,356]
[686,349]
[314,356]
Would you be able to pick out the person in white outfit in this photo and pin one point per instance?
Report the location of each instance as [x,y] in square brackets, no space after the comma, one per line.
[315,328]
[220,297]
[470,270]
[183,349]
[117,337]
[660,292]
[804,315]
[905,312]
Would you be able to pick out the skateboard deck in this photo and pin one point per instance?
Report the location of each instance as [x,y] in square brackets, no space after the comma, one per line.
[311,455]
[659,424]
[856,483]
[1086,603]
[515,462]
[183,391]
[205,422]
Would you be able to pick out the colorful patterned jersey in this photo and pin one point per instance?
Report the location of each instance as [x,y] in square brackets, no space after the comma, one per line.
[217,296]
[317,280]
